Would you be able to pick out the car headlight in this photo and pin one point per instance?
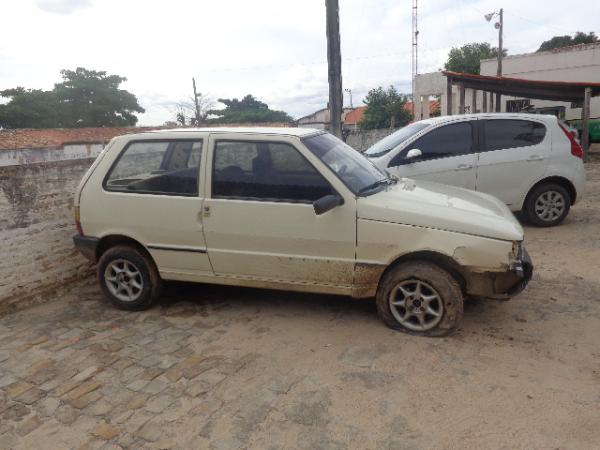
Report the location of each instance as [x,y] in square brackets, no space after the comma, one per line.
[517,249]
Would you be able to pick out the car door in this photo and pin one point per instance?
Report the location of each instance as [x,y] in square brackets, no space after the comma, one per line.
[153,194]
[514,155]
[448,156]
[259,220]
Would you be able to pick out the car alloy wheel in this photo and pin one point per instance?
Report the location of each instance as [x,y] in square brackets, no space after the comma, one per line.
[124,280]
[550,205]
[416,305]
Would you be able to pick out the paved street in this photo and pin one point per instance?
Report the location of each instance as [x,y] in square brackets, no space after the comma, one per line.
[227,368]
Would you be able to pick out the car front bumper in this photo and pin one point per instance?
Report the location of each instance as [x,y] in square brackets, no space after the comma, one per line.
[502,285]
[87,246]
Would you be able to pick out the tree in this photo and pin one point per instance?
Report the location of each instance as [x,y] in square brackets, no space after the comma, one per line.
[28,108]
[185,110]
[85,98]
[385,109]
[466,59]
[247,110]
[88,98]
[566,40]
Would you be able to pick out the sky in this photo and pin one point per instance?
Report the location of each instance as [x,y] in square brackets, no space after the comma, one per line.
[273,49]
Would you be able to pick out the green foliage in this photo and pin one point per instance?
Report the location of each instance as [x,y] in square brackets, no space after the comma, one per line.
[247,110]
[565,41]
[28,108]
[466,59]
[85,98]
[385,109]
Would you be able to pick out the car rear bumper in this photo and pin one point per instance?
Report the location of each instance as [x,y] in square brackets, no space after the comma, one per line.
[86,245]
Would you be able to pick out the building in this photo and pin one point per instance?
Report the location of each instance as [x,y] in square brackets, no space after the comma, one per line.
[578,63]
[26,145]
[319,119]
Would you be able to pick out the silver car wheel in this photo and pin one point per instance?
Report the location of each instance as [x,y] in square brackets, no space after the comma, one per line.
[550,205]
[124,280]
[416,305]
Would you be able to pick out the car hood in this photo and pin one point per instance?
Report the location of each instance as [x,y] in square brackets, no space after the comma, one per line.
[434,205]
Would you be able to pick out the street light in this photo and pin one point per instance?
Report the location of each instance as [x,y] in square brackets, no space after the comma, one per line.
[349,91]
[499,26]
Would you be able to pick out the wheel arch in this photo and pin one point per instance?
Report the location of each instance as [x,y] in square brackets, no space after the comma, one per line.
[444,261]
[112,240]
[557,179]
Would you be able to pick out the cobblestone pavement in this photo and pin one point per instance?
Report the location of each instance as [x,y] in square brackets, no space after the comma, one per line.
[227,368]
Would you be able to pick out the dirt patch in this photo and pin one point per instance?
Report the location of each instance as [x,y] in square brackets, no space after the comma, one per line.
[231,368]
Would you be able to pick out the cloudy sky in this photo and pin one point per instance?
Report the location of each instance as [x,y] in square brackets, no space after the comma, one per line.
[273,49]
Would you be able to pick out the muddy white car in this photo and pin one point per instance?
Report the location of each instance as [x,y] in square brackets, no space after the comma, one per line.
[291,209]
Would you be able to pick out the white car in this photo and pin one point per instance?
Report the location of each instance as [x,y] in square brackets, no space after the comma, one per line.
[530,162]
[291,209]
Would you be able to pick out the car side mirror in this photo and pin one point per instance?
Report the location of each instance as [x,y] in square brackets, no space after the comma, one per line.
[413,153]
[327,203]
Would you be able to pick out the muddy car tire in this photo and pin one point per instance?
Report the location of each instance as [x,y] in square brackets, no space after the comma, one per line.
[547,205]
[128,278]
[419,297]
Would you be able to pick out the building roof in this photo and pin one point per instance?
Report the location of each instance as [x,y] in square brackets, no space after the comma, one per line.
[434,106]
[355,116]
[29,138]
[57,137]
[568,91]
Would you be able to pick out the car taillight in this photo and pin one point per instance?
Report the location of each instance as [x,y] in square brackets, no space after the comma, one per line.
[77,222]
[576,149]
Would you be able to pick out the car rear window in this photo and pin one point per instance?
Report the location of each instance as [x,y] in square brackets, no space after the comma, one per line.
[501,134]
[157,167]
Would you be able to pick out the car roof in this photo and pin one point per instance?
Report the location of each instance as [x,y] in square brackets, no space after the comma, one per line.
[284,131]
[492,115]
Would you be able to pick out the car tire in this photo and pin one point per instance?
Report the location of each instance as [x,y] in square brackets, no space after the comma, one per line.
[547,205]
[128,278]
[418,289]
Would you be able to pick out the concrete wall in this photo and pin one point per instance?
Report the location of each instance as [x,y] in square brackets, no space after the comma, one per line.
[362,140]
[36,226]
[37,155]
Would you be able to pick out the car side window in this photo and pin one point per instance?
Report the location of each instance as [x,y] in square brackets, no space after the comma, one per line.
[502,133]
[157,167]
[268,171]
[443,142]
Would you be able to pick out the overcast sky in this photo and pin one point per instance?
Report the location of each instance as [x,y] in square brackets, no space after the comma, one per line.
[273,49]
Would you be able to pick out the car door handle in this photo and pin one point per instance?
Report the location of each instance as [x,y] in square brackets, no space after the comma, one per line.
[464,167]
[535,158]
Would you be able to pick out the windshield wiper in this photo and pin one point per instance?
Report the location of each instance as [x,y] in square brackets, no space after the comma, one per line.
[378,183]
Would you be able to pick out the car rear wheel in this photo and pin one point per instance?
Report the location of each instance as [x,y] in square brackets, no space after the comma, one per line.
[128,278]
[419,297]
[547,205]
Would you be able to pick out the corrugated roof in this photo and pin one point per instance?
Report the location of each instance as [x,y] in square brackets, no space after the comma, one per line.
[25,138]
[57,137]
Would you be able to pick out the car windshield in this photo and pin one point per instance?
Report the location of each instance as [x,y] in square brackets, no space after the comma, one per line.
[393,140]
[355,171]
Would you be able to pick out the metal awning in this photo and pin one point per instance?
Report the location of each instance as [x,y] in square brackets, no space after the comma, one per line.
[564,91]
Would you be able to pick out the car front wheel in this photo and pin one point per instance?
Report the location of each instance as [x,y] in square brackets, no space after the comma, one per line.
[419,297]
[128,278]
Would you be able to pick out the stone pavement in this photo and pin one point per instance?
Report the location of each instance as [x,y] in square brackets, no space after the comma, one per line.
[228,368]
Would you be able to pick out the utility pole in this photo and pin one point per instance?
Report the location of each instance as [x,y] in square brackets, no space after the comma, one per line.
[415,48]
[334,64]
[499,69]
[196,102]
[349,91]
